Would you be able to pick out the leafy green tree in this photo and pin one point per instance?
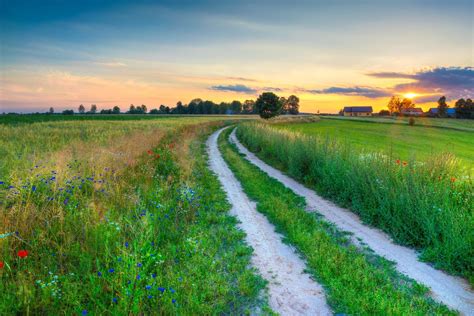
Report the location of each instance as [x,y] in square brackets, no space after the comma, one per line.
[464,109]
[248,106]
[51,110]
[131,109]
[236,107]
[93,109]
[442,106]
[81,109]
[292,105]
[116,110]
[68,112]
[268,105]
[143,109]
[154,111]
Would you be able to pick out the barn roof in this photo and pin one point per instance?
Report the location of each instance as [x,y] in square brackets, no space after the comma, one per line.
[358,109]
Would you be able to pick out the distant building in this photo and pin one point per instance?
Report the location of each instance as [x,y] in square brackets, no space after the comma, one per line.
[357,111]
[450,112]
[412,112]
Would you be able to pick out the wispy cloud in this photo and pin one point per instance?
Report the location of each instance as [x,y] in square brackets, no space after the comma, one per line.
[241,79]
[112,64]
[240,88]
[368,92]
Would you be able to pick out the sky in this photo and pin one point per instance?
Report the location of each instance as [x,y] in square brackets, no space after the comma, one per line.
[330,54]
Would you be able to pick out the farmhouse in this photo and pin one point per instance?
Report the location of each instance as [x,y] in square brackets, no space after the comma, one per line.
[357,111]
[412,112]
[450,112]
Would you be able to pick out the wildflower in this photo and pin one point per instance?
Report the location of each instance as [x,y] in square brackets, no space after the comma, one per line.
[126,244]
[171,146]
[173,301]
[150,296]
[99,274]
[161,289]
[172,290]
[150,152]
[33,188]
[22,253]
[405,163]
[111,270]
[2,264]
[397,161]
[148,287]
[115,300]
[139,265]
[84,312]
[157,156]
[138,276]
[153,275]
[453,179]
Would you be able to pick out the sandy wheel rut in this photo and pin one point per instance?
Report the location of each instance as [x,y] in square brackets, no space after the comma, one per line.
[291,290]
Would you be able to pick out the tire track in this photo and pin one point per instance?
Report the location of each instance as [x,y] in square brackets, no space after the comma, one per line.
[291,290]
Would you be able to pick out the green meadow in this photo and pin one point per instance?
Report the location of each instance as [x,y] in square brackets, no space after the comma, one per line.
[395,138]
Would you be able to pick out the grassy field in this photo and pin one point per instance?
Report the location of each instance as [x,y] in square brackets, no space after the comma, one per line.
[118,218]
[425,204]
[356,281]
[397,140]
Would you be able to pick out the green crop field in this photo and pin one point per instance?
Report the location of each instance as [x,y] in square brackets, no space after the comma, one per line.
[397,139]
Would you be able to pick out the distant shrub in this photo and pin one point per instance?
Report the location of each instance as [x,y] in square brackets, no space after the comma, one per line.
[411,121]
[68,112]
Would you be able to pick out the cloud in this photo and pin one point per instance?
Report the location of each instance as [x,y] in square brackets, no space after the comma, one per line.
[111,64]
[454,82]
[240,88]
[241,79]
[368,92]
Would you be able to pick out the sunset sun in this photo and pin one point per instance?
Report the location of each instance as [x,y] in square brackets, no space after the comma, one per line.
[410,95]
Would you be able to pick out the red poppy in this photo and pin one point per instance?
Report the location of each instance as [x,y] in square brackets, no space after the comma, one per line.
[1,264]
[171,146]
[453,179]
[398,161]
[22,253]
[150,152]
[158,156]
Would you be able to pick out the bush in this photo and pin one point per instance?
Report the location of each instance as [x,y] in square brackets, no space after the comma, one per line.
[411,121]
[423,205]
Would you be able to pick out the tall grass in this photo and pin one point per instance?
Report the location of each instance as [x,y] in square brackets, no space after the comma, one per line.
[139,226]
[427,205]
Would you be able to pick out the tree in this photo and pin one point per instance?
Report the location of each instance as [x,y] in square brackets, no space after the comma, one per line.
[154,111]
[283,105]
[51,110]
[163,109]
[394,105]
[68,112]
[132,109]
[248,106]
[116,110]
[180,108]
[406,104]
[143,109]
[292,105]
[384,112]
[268,105]
[81,109]
[464,109]
[442,106]
[93,109]
[236,107]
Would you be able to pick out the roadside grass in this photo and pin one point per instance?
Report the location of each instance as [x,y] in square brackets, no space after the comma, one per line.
[152,236]
[427,205]
[353,285]
[396,140]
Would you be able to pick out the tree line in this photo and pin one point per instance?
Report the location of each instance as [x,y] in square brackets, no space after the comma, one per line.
[267,105]
[464,107]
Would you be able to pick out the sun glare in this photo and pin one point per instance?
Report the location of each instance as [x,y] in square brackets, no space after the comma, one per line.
[410,95]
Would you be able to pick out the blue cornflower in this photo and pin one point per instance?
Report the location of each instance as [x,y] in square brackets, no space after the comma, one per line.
[172,290]
[99,274]
[138,276]
[173,301]
[1,182]
[152,243]
[153,275]
[139,265]
[148,287]
[11,187]
[126,244]
[111,270]
[115,300]
[84,312]
[66,201]
[33,188]
[161,289]
[119,259]
[150,296]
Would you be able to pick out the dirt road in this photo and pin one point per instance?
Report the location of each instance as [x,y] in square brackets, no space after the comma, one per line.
[291,290]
